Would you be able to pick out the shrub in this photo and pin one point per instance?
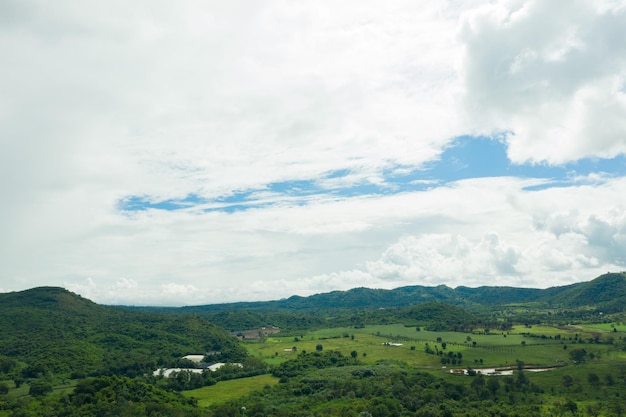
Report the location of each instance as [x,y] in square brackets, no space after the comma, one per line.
[39,388]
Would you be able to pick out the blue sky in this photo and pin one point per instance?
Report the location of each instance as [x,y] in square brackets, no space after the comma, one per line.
[159,154]
[463,158]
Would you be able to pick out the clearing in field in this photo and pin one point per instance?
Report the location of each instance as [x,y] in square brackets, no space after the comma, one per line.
[376,343]
[228,390]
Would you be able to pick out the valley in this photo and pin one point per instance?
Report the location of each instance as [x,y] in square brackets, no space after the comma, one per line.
[63,355]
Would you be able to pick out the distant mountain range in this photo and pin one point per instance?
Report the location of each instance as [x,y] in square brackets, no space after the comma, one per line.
[607,292]
[55,330]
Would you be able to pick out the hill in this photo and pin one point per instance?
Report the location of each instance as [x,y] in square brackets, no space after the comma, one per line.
[606,292]
[53,330]
[606,289]
[438,316]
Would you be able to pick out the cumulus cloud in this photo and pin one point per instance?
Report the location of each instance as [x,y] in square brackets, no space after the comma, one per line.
[490,231]
[105,103]
[551,76]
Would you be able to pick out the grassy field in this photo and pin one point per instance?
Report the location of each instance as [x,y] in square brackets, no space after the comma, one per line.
[227,390]
[540,346]
[605,327]
[369,342]
[60,386]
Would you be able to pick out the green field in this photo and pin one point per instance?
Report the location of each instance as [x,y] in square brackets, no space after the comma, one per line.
[535,346]
[228,390]
[64,386]
[538,345]
[496,349]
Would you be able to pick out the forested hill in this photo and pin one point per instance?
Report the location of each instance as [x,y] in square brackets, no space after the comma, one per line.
[607,292]
[54,330]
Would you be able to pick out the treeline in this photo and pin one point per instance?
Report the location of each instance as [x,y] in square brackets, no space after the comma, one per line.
[433,316]
[105,396]
[397,390]
[305,362]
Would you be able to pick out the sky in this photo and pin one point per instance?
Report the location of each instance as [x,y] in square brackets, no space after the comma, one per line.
[199,152]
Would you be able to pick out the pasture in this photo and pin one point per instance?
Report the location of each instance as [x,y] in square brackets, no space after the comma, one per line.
[228,390]
[536,346]
[495,349]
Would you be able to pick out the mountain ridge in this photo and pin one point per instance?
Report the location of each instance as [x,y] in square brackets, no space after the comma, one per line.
[605,291]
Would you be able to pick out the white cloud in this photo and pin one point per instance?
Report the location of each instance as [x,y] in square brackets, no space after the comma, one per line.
[101,102]
[477,232]
[550,75]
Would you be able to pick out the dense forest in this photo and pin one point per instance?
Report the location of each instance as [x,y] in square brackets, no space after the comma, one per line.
[495,351]
[58,332]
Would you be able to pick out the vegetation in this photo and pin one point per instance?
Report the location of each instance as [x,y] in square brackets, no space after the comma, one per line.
[62,355]
[50,331]
[230,390]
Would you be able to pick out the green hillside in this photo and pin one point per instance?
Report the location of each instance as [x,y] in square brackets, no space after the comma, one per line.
[52,330]
[358,305]
[61,354]
[607,292]
[438,316]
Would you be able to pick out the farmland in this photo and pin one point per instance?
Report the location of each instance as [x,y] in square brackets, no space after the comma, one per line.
[370,344]
[426,359]
[229,390]
[588,387]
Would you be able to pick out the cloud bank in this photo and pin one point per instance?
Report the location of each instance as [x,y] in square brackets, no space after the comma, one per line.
[184,154]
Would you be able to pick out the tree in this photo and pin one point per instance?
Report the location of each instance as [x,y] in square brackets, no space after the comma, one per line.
[493,384]
[7,365]
[319,347]
[567,381]
[354,354]
[34,371]
[571,406]
[478,382]
[18,381]
[4,389]
[578,355]
[593,409]
[39,388]
[593,379]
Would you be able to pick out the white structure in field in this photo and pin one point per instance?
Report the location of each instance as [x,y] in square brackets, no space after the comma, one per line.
[194,358]
[169,372]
